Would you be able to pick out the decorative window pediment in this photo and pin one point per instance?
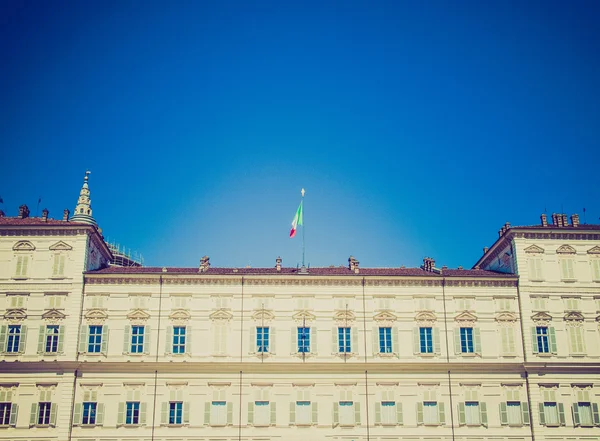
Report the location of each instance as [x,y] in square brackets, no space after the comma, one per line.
[263,315]
[506,317]
[53,314]
[385,316]
[426,317]
[221,314]
[595,250]
[179,315]
[303,316]
[15,314]
[23,245]
[573,316]
[96,314]
[344,316]
[541,318]
[138,314]
[534,249]
[566,249]
[61,246]
[466,318]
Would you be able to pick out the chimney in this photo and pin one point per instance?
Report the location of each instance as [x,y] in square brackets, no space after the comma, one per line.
[66,213]
[23,211]
[428,264]
[485,250]
[575,220]
[507,226]
[351,263]
[500,233]
[565,220]
[555,220]
[278,264]
[2,214]
[45,213]
[356,262]
[544,220]
[204,264]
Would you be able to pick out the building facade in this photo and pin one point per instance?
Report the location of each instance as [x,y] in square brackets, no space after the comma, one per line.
[90,351]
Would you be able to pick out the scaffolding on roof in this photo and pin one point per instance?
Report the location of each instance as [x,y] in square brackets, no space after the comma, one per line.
[124,257]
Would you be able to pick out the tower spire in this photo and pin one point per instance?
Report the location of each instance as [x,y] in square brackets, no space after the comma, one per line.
[83,210]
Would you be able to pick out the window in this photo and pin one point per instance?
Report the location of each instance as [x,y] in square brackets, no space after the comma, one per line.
[424,303]
[89,413]
[430,412]
[177,302]
[567,270]
[44,409]
[14,338]
[384,303]
[344,340]
[262,339]
[387,411]
[539,303]
[16,301]
[385,340]
[220,338]
[52,338]
[466,340]
[572,303]
[22,266]
[596,270]
[132,415]
[585,413]
[576,342]
[58,265]
[137,339]
[514,413]
[303,413]
[175,412]
[95,302]
[346,412]
[426,340]
[543,339]
[218,413]
[261,413]
[507,337]
[5,409]
[551,412]
[303,339]
[178,340]
[535,269]
[95,339]
[55,301]
[504,304]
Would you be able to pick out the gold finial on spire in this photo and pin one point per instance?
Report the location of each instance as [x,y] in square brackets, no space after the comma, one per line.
[302,191]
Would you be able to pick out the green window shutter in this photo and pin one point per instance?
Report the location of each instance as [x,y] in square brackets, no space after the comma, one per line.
[477,340]
[334,340]
[576,420]
[273,413]
[375,335]
[230,413]
[293,340]
[164,413]
[127,339]
[416,341]
[273,338]
[561,414]
[14,411]
[336,414]
[53,411]
[252,340]
[3,338]
[186,413]
[595,414]
[354,341]
[442,413]
[542,414]
[525,409]
[169,341]
[77,414]
[121,414]
[552,338]
[104,345]
[292,412]
[356,413]
[188,340]
[457,348]
[83,339]
[61,339]
[395,340]
[207,413]
[143,411]
[315,412]
[23,339]
[534,342]
[33,416]
[250,413]
[436,341]
[461,414]
[399,417]
[41,337]
[483,414]
[147,339]
[55,265]
[377,413]
[313,339]
[19,267]
[419,413]
[503,414]
[100,414]
[61,265]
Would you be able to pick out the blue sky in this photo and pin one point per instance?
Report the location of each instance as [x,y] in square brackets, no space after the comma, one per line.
[417,130]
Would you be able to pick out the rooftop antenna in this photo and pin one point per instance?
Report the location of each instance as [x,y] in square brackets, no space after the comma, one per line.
[37,210]
[584,221]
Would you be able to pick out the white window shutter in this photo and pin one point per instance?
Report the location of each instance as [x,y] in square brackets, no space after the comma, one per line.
[273,406]
[188,340]
[61,339]
[395,341]
[483,414]
[375,338]
[292,412]
[354,332]
[457,345]
[334,340]
[525,409]
[357,413]
[294,340]
[23,339]
[416,341]
[272,340]
[77,414]
[252,343]
[336,414]
[534,341]
[100,414]
[169,341]
[477,340]
[250,413]
[14,412]
[229,413]
[419,413]
[164,413]
[313,339]
[127,339]
[315,412]
[377,413]
[42,340]
[436,341]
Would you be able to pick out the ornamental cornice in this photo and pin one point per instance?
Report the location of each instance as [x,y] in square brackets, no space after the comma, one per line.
[403,282]
[541,318]
[58,231]
[553,235]
[481,283]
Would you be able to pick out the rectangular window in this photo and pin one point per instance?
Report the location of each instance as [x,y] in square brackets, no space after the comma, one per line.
[218,413]
[303,339]
[542,339]
[466,340]
[388,412]
[137,339]
[132,415]
[303,413]
[572,304]
[426,340]
[504,304]
[262,339]
[585,414]
[576,339]
[95,339]
[346,413]
[344,340]
[385,340]
[261,413]
[430,412]
[507,335]
[463,304]
[43,417]
[52,334]
[551,414]
[5,413]
[21,268]
[568,272]
[175,412]
[513,409]
[472,413]
[539,303]
[535,269]
[89,413]
[58,267]
[178,340]
[14,338]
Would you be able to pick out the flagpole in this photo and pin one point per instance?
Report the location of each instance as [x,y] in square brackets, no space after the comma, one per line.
[302,202]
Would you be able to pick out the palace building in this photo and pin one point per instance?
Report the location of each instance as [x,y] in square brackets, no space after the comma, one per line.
[96,347]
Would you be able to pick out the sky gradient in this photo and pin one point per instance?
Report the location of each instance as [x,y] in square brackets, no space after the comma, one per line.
[416,130]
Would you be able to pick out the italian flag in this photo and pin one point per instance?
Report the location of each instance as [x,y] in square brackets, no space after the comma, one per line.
[297,221]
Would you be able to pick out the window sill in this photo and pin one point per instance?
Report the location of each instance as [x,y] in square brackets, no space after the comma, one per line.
[569,280]
[545,354]
[20,277]
[427,354]
[386,355]
[42,426]
[468,354]
[57,277]
[130,426]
